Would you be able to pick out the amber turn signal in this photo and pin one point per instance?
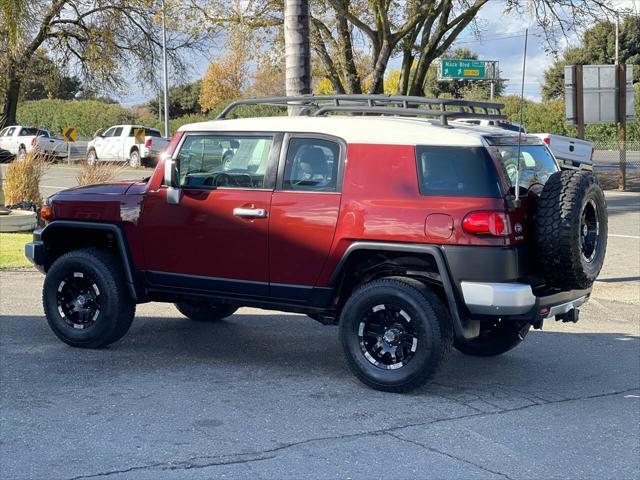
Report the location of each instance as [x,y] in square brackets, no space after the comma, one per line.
[46,213]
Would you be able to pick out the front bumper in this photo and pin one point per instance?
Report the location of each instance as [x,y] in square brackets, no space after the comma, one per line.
[35,251]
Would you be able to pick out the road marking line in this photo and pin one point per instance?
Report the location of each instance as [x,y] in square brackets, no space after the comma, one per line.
[624,236]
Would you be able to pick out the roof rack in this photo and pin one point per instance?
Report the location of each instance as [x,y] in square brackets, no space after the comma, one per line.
[318,105]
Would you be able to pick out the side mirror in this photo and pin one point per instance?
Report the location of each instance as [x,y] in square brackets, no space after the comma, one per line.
[170,179]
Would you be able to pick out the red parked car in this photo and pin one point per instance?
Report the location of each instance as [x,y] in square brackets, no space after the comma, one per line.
[405,230]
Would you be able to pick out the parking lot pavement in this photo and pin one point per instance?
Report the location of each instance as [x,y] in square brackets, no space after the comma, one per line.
[62,176]
[268,395]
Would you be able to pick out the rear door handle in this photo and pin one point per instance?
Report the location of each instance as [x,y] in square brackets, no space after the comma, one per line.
[250,212]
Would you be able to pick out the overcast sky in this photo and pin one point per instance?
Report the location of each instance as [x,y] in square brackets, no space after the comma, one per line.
[502,39]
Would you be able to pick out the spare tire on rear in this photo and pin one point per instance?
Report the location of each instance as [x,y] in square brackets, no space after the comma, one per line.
[571,229]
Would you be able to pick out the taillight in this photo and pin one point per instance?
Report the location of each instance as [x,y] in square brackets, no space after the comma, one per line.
[148,142]
[487,223]
[33,142]
[547,140]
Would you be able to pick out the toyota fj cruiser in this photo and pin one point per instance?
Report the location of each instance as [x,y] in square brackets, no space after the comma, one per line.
[370,212]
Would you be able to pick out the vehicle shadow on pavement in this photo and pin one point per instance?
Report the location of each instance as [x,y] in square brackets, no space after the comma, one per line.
[295,347]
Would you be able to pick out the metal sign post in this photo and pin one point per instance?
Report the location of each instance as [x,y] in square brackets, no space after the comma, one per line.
[622,124]
[69,136]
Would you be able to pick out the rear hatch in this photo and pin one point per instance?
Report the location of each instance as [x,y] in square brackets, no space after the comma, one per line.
[536,165]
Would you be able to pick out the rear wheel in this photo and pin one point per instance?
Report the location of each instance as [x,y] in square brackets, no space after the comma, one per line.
[495,338]
[86,300]
[92,157]
[134,159]
[205,311]
[22,153]
[394,333]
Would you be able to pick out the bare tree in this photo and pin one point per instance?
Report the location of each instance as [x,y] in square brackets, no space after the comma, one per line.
[100,38]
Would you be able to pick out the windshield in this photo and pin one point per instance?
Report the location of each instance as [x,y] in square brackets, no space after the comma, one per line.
[536,164]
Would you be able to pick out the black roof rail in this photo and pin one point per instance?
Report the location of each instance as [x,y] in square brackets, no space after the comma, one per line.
[317,105]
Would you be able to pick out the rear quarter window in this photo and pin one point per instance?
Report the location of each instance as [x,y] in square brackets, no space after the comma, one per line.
[457,171]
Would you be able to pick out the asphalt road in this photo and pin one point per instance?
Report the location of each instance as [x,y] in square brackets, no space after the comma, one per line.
[268,395]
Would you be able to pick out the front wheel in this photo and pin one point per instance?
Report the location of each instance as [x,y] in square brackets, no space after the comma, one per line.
[495,339]
[86,300]
[205,311]
[395,333]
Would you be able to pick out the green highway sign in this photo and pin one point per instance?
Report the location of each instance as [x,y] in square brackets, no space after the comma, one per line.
[451,69]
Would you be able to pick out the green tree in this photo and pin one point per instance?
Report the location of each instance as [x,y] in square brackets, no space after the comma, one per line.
[183,100]
[45,79]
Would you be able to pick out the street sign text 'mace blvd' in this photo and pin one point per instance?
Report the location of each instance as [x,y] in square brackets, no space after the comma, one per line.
[453,69]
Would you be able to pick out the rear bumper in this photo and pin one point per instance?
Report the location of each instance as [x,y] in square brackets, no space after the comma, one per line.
[518,299]
[500,282]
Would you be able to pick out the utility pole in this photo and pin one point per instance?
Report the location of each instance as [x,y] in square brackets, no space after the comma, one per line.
[166,74]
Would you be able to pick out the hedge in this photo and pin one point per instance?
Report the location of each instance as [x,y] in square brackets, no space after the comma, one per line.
[85,115]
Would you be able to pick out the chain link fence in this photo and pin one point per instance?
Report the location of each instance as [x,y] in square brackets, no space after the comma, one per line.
[609,162]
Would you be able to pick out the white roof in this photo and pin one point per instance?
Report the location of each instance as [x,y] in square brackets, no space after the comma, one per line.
[376,130]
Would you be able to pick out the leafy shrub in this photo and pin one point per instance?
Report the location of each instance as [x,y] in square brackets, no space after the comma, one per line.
[99,172]
[85,115]
[22,179]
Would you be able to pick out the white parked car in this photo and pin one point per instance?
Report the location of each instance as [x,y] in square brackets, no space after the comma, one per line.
[570,152]
[484,122]
[18,140]
[118,144]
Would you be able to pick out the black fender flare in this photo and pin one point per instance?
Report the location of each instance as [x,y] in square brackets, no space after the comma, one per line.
[464,328]
[125,255]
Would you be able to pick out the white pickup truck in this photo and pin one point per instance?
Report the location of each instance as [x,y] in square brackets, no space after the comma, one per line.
[570,152]
[18,140]
[118,144]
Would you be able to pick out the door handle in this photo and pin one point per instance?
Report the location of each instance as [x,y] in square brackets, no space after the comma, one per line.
[250,212]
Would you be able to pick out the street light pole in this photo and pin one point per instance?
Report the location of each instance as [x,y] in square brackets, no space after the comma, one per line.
[166,74]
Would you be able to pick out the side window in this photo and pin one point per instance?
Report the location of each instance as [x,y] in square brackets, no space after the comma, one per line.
[10,132]
[457,171]
[311,165]
[44,133]
[224,161]
[109,133]
[4,131]
[117,132]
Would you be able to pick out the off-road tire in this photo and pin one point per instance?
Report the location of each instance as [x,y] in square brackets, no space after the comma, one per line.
[430,321]
[205,311]
[559,214]
[134,158]
[116,308]
[495,339]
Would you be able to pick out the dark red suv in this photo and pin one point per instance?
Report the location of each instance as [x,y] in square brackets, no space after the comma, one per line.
[371,212]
